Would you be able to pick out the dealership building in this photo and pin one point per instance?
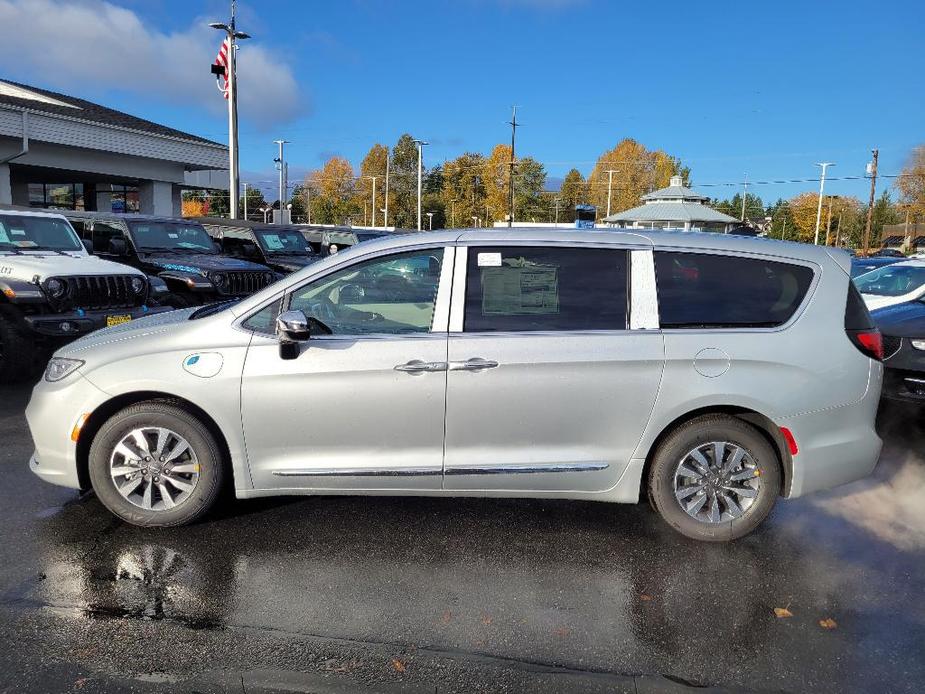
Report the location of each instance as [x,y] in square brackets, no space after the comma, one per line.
[62,152]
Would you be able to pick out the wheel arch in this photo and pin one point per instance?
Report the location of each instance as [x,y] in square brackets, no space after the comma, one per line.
[764,424]
[106,410]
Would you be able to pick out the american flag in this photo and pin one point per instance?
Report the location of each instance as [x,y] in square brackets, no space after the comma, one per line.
[222,60]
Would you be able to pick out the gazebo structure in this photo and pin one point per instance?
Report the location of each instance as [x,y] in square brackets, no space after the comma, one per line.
[676,207]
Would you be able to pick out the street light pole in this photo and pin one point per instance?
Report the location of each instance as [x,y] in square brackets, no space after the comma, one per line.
[870,207]
[610,173]
[281,165]
[744,196]
[824,165]
[232,33]
[385,211]
[557,210]
[420,144]
[430,221]
[245,201]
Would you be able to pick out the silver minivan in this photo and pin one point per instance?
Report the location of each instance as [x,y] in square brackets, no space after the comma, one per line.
[711,373]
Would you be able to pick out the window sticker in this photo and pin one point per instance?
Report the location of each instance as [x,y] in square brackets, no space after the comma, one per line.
[18,232]
[520,288]
[273,241]
[173,235]
[489,260]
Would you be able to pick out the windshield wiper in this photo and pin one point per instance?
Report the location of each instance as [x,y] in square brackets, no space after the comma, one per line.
[12,249]
[47,248]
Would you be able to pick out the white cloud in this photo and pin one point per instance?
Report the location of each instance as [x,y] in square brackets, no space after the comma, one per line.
[91,47]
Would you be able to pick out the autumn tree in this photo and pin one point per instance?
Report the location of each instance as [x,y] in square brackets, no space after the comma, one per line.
[373,164]
[333,192]
[496,175]
[463,192]
[911,182]
[574,191]
[636,171]
[846,219]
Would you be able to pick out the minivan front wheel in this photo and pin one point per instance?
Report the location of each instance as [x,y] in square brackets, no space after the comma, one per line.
[714,478]
[155,464]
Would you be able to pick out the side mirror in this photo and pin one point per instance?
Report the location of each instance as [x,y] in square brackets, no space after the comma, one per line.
[292,328]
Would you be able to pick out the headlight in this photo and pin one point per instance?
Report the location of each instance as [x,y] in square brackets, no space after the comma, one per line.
[56,288]
[59,368]
[918,344]
[138,285]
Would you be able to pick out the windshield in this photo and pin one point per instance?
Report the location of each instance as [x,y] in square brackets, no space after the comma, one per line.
[287,241]
[25,232]
[368,235]
[892,280]
[171,236]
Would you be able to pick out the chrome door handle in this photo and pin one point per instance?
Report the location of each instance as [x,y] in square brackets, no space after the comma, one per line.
[474,364]
[416,366]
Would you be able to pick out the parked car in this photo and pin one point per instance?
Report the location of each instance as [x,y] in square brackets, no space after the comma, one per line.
[888,253]
[178,251]
[861,265]
[903,329]
[893,284]
[282,248]
[52,290]
[596,365]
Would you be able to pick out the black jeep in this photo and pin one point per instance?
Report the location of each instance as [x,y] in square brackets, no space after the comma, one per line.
[178,251]
[282,248]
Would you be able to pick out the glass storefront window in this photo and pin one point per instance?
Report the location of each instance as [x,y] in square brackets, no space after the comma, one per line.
[62,196]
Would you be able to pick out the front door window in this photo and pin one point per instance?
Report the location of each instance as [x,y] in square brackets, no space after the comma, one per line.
[389,295]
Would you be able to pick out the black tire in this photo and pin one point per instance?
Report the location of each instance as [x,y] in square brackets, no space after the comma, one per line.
[168,414]
[686,438]
[17,353]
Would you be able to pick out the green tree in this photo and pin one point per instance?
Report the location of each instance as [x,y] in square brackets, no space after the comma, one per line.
[255,201]
[403,184]
[754,207]
[574,191]
[529,181]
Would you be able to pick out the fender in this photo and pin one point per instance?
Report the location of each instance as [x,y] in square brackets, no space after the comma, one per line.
[189,280]
[20,292]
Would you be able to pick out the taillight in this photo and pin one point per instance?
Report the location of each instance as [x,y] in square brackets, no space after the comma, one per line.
[859,326]
[870,342]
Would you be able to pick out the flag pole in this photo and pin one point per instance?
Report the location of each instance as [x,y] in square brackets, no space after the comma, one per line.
[233,189]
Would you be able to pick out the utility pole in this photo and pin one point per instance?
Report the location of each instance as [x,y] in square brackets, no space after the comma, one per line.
[828,225]
[784,230]
[308,202]
[513,122]
[420,144]
[385,210]
[744,196]
[231,35]
[824,165]
[557,209]
[281,166]
[610,173]
[374,199]
[245,201]
[453,213]
[870,207]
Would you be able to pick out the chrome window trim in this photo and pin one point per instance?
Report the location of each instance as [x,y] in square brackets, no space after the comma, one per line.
[458,303]
[360,472]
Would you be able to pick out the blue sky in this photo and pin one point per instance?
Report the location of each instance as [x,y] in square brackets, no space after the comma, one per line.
[763,89]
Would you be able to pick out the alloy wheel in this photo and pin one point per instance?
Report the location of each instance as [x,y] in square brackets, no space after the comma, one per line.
[717,482]
[154,468]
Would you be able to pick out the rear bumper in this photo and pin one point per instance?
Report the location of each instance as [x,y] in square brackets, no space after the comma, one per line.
[838,445]
[75,323]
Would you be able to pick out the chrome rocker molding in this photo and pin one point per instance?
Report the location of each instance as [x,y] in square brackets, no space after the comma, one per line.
[460,470]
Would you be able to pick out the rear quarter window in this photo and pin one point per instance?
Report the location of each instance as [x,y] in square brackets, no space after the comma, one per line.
[700,290]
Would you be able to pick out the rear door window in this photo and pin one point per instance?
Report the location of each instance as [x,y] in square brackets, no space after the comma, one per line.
[699,290]
[539,289]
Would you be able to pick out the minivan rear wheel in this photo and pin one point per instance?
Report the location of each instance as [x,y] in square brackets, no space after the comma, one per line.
[156,464]
[714,478]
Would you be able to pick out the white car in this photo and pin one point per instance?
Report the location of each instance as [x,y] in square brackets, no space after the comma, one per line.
[892,284]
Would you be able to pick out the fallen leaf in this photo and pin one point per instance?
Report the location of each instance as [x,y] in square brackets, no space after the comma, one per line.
[486,620]
[782,612]
[562,631]
[827,623]
[398,665]
[645,597]
[446,616]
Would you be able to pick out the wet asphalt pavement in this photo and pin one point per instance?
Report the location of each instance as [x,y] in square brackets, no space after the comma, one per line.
[338,594]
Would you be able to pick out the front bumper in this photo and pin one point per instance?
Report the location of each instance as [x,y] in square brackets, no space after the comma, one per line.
[79,322]
[904,375]
[52,413]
